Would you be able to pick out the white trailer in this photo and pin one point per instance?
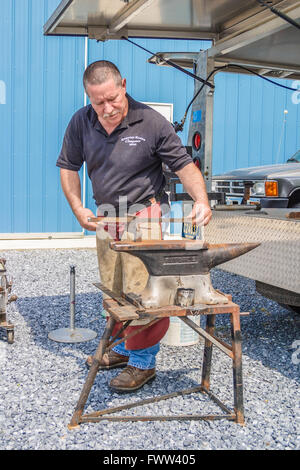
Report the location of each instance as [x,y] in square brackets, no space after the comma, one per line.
[247,36]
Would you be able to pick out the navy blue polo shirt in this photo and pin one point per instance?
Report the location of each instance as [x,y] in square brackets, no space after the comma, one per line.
[128,162]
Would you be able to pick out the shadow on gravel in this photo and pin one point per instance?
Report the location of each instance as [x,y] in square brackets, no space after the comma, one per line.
[47,313]
[268,333]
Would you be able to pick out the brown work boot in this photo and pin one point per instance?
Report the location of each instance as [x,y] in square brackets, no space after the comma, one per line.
[109,360]
[131,378]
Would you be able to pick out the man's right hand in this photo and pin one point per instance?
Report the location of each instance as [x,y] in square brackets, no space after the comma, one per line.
[82,216]
[70,183]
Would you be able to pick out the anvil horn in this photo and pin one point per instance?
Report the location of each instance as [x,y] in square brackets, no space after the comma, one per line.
[219,254]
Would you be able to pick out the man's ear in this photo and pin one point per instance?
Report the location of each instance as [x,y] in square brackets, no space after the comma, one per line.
[124,83]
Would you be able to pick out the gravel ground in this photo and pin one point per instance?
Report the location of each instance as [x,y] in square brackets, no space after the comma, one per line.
[41,380]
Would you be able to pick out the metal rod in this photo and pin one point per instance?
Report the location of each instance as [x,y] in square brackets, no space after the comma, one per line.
[126,324]
[72,297]
[237,368]
[207,355]
[92,374]
[236,207]
[226,349]
[146,401]
[133,333]
[86,419]
[126,219]
[288,19]
[216,400]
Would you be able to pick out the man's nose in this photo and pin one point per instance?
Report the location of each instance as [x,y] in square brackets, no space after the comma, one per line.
[108,108]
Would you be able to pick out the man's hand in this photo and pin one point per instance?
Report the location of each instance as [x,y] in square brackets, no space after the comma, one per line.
[201,213]
[193,183]
[70,183]
[82,214]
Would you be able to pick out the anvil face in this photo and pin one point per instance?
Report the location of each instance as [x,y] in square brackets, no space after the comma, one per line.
[182,257]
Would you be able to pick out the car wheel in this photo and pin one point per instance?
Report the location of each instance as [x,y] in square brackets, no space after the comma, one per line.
[294,202]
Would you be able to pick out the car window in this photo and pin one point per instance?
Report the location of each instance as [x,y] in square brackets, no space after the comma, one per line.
[295,157]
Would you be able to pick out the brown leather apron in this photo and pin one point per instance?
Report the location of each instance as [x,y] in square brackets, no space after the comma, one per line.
[124,272]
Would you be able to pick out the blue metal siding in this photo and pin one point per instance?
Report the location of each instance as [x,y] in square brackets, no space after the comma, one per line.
[41,87]
[250,127]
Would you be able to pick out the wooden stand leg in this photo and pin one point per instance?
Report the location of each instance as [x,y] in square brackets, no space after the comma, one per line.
[207,356]
[237,367]
[92,374]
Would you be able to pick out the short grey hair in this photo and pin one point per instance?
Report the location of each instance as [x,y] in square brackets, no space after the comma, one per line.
[100,72]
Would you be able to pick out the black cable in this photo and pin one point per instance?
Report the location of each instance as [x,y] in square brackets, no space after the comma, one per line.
[179,126]
[279,13]
[195,77]
[258,75]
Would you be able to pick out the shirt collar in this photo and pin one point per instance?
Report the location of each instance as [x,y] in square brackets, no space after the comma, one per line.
[135,111]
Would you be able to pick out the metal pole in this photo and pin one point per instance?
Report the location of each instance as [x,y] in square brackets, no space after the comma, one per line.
[72,297]
[72,334]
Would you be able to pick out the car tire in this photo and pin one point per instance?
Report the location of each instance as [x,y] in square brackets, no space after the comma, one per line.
[294,201]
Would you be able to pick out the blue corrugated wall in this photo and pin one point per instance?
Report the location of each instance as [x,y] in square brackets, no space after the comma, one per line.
[40,89]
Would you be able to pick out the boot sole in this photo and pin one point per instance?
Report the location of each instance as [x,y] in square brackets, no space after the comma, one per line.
[132,389]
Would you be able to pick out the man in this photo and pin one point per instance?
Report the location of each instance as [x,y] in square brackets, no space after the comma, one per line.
[124,144]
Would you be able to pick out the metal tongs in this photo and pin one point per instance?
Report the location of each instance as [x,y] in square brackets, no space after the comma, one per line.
[132,222]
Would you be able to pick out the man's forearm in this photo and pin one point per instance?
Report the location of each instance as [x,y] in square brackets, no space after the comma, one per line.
[193,183]
[70,183]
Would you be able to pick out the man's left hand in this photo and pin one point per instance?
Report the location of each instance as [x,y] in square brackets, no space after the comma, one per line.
[201,213]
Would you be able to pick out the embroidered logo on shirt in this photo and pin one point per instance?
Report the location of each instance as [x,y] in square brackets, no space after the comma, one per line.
[133,140]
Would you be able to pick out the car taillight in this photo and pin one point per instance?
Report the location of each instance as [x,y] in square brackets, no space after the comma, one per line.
[271,188]
[197,140]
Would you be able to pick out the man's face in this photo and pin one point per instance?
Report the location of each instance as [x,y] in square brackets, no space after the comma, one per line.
[109,101]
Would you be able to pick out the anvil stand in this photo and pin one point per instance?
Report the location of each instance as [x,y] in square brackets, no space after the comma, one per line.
[127,308]
[5,290]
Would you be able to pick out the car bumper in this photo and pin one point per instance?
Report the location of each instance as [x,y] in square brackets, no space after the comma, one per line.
[279,202]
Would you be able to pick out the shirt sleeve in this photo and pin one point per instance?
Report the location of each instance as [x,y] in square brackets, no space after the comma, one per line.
[170,149]
[71,155]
